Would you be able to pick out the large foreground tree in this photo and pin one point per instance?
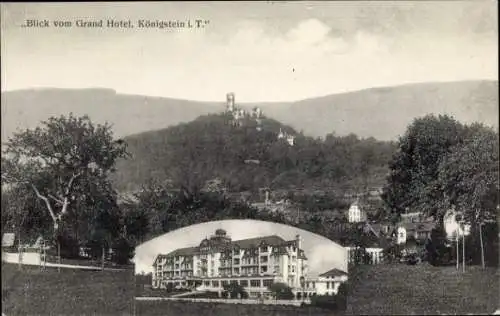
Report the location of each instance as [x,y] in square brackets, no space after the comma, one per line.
[413,180]
[469,177]
[442,164]
[64,162]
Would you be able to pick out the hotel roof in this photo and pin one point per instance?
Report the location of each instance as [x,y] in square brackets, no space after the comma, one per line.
[272,240]
[333,273]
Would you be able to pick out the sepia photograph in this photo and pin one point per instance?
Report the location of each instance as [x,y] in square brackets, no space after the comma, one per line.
[250,158]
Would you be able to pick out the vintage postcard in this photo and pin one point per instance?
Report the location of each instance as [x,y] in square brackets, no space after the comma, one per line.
[250,158]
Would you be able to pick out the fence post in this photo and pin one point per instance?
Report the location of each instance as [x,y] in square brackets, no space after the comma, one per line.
[463,251]
[20,249]
[40,254]
[59,255]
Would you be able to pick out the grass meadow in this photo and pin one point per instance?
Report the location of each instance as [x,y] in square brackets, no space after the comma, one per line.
[31,291]
[374,290]
[176,308]
[423,290]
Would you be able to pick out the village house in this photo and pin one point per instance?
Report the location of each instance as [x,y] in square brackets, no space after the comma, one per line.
[355,214]
[276,203]
[327,283]
[290,139]
[413,226]
[374,244]
[453,227]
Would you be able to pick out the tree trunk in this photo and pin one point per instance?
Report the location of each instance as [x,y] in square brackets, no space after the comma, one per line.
[20,249]
[103,256]
[458,255]
[482,245]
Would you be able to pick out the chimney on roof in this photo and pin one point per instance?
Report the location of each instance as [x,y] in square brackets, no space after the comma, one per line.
[299,241]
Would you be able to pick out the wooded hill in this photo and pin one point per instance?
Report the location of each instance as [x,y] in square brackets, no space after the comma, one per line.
[246,159]
[382,113]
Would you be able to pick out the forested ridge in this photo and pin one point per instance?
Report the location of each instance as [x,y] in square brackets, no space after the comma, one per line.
[246,159]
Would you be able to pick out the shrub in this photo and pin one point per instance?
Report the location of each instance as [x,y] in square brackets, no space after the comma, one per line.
[393,253]
[332,302]
[342,294]
[234,290]
[325,301]
[94,249]
[438,253]
[70,249]
[170,287]
[281,291]
[122,251]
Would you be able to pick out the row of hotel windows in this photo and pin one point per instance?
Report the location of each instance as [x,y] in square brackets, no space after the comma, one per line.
[222,272]
[235,261]
[246,260]
[235,253]
[226,271]
[244,283]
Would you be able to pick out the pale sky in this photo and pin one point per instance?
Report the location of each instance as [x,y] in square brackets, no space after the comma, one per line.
[261,51]
[322,253]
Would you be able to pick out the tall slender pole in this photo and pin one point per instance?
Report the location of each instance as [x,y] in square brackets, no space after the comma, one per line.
[482,245]
[20,248]
[458,256]
[40,249]
[463,250]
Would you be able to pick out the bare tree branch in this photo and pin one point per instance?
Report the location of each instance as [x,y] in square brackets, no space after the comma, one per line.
[55,199]
[70,184]
[47,202]
[64,209]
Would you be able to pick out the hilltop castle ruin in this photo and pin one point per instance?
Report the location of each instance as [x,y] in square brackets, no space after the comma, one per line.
[239,115]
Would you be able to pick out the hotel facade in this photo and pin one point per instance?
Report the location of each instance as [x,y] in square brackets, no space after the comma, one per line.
[254,263]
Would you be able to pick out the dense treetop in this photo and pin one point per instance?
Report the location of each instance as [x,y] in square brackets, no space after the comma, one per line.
[441,163]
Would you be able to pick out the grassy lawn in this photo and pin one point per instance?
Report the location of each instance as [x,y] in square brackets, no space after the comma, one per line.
[422,290]
[70,292]
[175,308]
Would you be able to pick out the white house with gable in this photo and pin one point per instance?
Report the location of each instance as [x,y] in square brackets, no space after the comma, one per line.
[355,214]
[454,228]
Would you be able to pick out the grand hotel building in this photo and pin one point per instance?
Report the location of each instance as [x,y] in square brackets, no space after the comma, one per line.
[254,263]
